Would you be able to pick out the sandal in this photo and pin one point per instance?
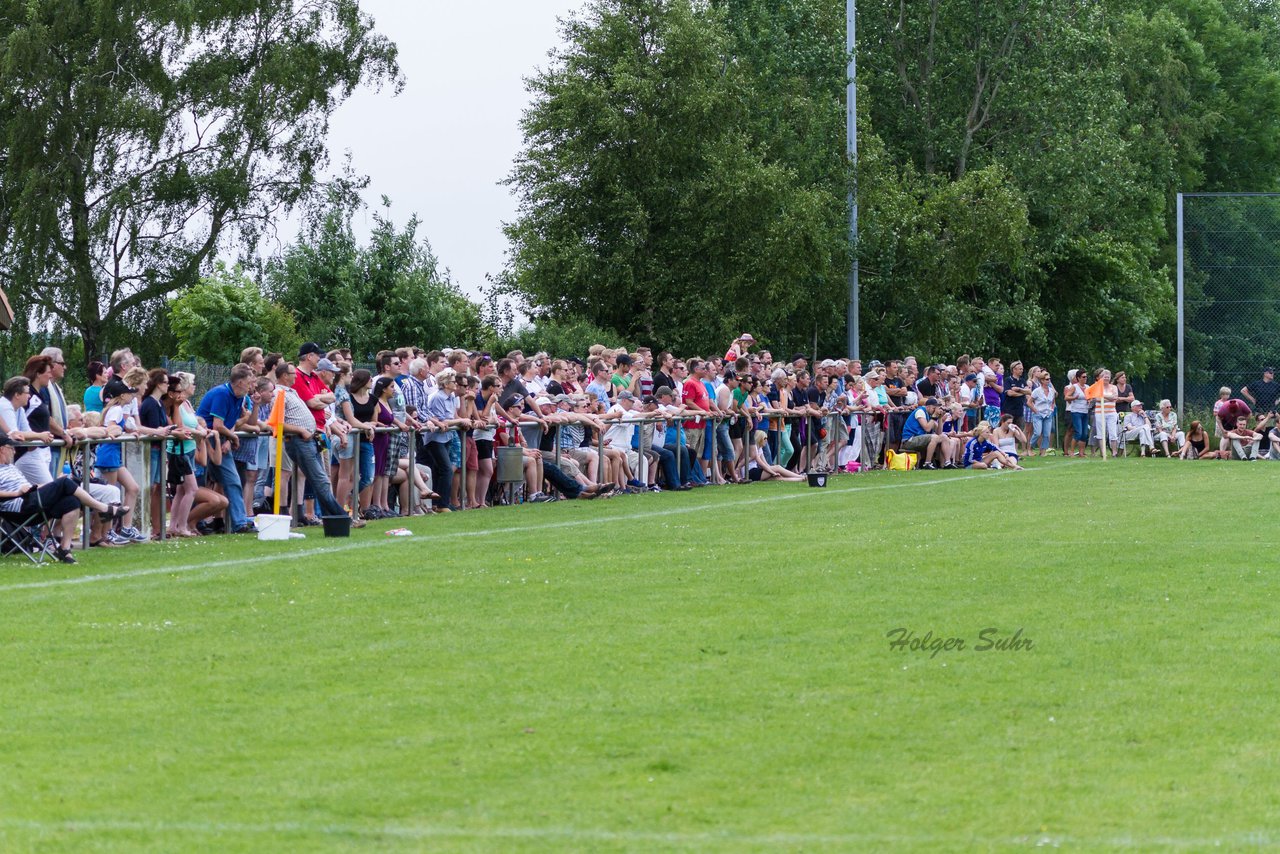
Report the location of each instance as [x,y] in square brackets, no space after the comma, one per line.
[113,513]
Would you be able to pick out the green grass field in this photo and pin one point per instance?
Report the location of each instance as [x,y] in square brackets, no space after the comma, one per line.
[706,670]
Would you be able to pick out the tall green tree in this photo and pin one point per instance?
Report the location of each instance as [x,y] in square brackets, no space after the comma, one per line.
[225,313]
[138,136]
[655,201]
[390,292]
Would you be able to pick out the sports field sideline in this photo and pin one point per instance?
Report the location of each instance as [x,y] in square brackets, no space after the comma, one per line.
[707,670]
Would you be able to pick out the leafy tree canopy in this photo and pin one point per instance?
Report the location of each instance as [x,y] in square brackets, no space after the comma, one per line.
[138,136]
[215,320]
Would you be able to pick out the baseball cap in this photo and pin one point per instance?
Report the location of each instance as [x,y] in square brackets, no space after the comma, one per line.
[932,401]
[1268,370]
[827,363]
[563,398]
[326,365]
[663,391]
[545,401]
[648,399]
[971,377]
[115,388]
[798,356]
[875,363]
[626,395]
[309,348]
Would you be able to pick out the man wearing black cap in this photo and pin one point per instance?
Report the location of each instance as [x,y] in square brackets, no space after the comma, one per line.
[309,386]
[1262,394]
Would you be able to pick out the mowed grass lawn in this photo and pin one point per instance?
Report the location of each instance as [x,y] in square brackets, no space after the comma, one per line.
[708,670]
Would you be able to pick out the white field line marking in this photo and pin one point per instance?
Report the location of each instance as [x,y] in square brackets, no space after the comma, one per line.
[515,529]
[1252,839]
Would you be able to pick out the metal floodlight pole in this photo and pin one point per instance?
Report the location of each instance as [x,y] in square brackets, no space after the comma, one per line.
[851,150]
[1182,352]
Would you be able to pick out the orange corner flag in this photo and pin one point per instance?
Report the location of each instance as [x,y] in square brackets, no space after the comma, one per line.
[1094,392]
[276,420]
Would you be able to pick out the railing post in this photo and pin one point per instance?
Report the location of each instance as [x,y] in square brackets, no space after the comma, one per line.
[355,472]
[462,440]
[413,470]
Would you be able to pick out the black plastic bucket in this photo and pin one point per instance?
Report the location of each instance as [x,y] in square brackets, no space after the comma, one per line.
[336,526]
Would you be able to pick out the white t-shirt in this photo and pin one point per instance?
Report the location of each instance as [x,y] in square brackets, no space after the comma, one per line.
[620,432]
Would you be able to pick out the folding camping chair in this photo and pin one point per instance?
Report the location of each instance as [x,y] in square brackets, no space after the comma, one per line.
[28,534]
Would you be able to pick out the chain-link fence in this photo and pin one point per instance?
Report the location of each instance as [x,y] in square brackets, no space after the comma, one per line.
[1229,292]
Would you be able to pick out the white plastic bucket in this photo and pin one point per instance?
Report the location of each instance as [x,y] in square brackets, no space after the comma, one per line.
[272,527]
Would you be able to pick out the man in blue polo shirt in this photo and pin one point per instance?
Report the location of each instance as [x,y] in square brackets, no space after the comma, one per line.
[922,434]
[222,409]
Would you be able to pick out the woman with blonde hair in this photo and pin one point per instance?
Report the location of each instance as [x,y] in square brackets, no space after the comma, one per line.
[118,401]
[1167,424]
[758,465]
[979,453]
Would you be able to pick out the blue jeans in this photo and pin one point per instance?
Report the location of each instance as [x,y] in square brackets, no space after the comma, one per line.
[667,461]
[366,464]
[1041,427]
[225,473]
[306,459]
[725,443]
[1080,425]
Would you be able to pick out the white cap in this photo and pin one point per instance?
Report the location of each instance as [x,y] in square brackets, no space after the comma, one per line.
[545,401]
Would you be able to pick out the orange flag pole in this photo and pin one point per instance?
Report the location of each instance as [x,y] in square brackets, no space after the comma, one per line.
[276,423]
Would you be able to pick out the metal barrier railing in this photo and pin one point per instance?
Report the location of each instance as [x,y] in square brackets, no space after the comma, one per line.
[773,422]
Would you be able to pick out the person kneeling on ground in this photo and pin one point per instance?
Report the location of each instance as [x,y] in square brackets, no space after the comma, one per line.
[58,500]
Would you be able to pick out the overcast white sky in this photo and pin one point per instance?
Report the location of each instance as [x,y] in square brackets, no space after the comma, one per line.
[440,148]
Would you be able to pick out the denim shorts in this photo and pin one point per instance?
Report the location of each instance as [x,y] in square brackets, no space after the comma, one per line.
[1080,424]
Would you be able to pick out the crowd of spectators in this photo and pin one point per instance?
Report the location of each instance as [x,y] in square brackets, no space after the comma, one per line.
[422,431]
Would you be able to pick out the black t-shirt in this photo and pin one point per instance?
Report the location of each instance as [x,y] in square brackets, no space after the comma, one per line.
[364,411]
[38,417]
[1265,393]
[926,389]
[1013,405]
[895,383]
[512,393]
[1123,391]
[660,379]
[152,414]
[554,388]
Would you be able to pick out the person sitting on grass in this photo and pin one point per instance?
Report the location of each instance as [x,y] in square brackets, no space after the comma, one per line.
[1243,441]
[59,500]
[979,453]
[1007,436]
[759,467]
[1167,427]
[1197,445]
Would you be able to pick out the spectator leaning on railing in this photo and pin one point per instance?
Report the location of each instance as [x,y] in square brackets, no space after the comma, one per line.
[224,408]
